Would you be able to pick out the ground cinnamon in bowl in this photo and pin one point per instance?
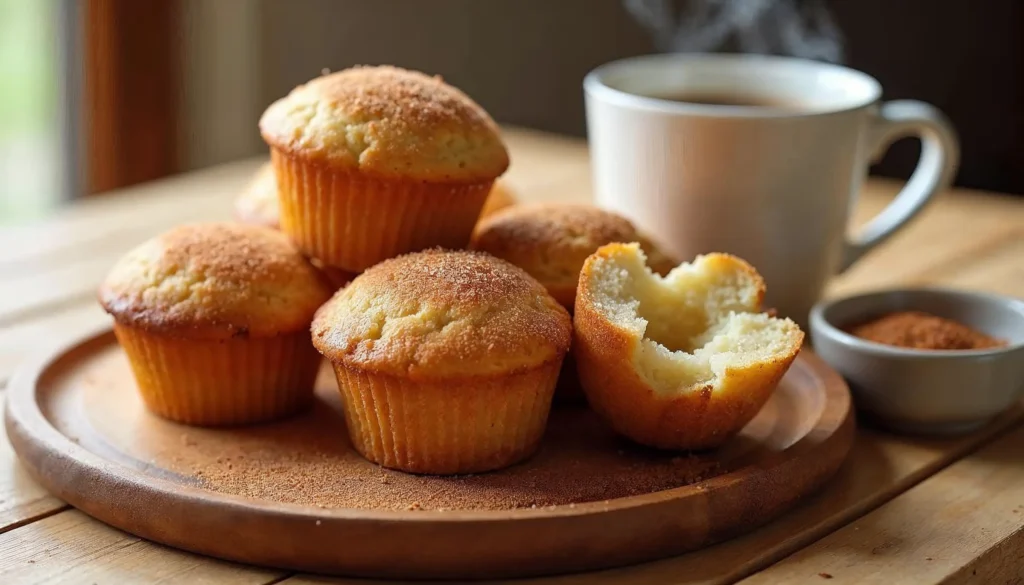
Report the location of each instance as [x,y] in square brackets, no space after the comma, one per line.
[920,330]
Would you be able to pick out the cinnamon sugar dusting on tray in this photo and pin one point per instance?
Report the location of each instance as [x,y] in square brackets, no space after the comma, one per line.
[308,463]
[307,459]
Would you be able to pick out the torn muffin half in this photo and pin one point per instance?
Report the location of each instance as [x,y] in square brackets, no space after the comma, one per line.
[683,361]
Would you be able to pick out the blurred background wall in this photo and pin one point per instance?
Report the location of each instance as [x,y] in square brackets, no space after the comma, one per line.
[173,85]
[524,60]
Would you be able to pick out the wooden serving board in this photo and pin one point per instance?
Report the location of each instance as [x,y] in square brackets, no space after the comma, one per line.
[293,494]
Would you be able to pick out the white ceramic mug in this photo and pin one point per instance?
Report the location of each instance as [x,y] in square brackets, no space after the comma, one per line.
[774,186]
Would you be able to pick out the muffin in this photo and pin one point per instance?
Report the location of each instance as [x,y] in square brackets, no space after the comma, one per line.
[677,362]
[551,241]
[373,162]
[257,203]
[446,360]
[214,320]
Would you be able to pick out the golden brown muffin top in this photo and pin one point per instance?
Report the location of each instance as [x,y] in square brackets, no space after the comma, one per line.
[438,314]
[213,281]
[388,122]
[257,203]
[551,240]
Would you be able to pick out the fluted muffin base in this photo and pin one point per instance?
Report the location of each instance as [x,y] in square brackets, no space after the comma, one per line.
[447,426]
[352,221]
[221,382]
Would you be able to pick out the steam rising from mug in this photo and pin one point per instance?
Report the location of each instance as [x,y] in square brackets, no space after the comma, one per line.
[795,28]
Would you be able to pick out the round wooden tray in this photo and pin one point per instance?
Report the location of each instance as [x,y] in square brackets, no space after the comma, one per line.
[294,495]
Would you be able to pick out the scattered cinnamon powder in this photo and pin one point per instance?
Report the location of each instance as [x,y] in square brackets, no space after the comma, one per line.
[308,460]
[919,330]
[311,462]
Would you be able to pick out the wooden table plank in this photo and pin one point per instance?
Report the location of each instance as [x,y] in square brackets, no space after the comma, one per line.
[1000,271]
[72,548]
[24,339]
[22,500]
[937,244]
[32,296]
[165,202]
[964,525]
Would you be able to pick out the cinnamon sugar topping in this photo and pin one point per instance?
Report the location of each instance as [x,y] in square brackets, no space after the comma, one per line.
[443,313]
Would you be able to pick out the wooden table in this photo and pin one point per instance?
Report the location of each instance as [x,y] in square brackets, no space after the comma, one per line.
[900,510]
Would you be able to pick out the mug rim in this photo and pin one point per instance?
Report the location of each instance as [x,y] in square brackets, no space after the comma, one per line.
[595,85]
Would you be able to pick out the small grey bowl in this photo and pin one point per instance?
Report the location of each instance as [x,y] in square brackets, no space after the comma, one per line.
[926,391]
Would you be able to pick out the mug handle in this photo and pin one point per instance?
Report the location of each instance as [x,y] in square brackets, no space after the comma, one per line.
[940,156]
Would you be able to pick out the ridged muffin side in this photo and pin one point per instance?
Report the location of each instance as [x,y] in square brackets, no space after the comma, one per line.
[257,203]
[212,317]
[446,360]
[373,162]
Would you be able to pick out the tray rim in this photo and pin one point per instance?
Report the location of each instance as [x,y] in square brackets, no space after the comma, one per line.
[23,414]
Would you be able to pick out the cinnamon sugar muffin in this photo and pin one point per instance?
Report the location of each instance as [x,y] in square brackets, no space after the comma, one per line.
[214,319]
[373,162]
[680,362]
[446,360]
[257,203]
[551,241]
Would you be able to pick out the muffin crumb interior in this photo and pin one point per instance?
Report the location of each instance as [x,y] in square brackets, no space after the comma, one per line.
[692,325]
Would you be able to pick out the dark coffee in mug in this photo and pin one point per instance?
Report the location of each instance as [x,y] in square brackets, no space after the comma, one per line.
[728,99]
